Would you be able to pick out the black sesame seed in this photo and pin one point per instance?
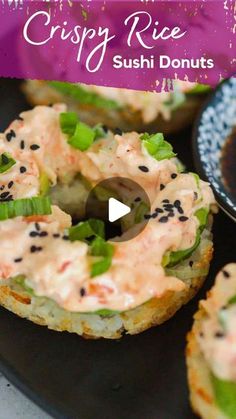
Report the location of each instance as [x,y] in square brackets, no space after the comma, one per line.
[219,334]
[180,210]
[144,169]
[2,187]
[168,207]
[82,292]
[147,216]
[118,131]
[35,249]
[195,196]
[37,226]
[105,129]
[183,218]
[18,260]
[11,134]
[171,214]
[159,210]
[163,219]
[34,147]
[33,234]
[177,203]
[10,184]
[56,235]
[166,201]
[190,263]
[65,237]
[174,175]
[5,159]
[22,144]
[4,195]
[224,272]
[154,215]
[138,199]
[43,234]
[9,198]
[201,334]
[23,169]
[162,187]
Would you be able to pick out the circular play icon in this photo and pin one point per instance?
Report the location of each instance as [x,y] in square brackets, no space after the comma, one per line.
[122,204]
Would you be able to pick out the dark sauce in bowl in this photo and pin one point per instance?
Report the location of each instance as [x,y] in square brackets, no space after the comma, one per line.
[228,164]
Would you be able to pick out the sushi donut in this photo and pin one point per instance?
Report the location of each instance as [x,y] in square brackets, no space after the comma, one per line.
[70,277]
[129,110]
[211,350]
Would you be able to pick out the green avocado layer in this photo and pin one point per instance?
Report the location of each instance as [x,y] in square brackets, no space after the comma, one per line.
[82,95]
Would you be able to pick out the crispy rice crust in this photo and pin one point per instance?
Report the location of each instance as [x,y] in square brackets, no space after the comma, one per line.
[156,311]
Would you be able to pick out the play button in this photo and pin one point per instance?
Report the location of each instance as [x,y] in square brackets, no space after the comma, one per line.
[122,204]
[117,210]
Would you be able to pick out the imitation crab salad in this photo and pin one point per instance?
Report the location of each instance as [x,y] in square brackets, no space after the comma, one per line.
[70,277]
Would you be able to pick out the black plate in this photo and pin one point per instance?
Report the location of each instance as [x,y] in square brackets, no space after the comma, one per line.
[138,377]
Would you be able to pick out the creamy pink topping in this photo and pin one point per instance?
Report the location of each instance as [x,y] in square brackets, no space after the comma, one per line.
[59,269]
[218,331]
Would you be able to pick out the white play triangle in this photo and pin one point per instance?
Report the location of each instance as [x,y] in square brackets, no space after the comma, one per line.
[116,210]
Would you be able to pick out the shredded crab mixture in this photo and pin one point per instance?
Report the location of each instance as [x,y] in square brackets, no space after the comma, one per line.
[39,248]
[217,337]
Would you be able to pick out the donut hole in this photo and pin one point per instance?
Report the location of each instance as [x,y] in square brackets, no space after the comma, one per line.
[72,197]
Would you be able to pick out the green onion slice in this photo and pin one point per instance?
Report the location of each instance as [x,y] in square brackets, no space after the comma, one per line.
[6,162]
[83,137]
[101,248]
[68,121]
[25,207]
[157,147]
[80,135]
[87,229]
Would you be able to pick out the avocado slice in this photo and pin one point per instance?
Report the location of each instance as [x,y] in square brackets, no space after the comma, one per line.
[81,95]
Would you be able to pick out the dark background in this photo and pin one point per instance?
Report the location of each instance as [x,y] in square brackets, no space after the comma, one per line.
[138,377]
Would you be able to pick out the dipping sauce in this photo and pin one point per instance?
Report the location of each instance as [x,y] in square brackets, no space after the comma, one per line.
[228,163]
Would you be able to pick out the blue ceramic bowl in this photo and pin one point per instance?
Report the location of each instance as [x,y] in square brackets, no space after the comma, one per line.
[212,129]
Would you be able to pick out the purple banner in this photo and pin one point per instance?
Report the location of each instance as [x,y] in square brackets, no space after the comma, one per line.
[132,44]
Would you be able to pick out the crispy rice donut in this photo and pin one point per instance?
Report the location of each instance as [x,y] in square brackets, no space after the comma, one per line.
[136,291]
[126,117]
[203,359]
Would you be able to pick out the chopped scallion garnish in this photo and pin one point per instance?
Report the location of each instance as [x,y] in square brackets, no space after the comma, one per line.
[80,135]
[6,162]
[157,147]
[83,137]
[101,248]
[87,229]
[68,121]
[25,207]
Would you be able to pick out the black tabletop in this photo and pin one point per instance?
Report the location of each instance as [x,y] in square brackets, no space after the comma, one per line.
[138,377]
